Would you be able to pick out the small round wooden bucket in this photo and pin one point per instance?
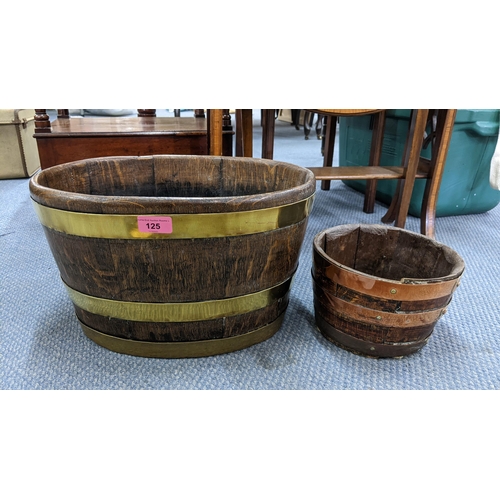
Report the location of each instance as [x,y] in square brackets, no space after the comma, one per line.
[176,256]
[378,290]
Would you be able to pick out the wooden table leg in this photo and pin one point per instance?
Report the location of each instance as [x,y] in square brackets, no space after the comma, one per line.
[268,119]
[214,131]
[244,133]
[440,146]
[398,209]
[411,161]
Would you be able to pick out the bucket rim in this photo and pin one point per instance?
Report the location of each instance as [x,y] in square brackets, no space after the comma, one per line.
[458,267]
[91,203]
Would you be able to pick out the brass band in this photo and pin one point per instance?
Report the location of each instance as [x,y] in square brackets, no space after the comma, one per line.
[191,349]
[185,226]
[178,312]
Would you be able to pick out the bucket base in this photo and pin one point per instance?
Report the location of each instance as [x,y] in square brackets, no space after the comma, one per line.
[192,349]
[366,348]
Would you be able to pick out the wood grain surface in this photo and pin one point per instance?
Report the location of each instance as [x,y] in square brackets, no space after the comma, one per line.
[381,286]
[175,270]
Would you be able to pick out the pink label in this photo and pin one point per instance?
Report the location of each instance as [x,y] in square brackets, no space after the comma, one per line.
[154,224]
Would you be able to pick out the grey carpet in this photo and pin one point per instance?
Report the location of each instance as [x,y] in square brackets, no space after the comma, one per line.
[43,347]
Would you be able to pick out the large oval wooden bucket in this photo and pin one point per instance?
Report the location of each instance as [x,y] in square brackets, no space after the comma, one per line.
[176,256]
[378,290]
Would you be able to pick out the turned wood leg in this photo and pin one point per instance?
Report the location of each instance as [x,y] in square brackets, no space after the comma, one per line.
[391,214]
[416,137]
[42,121]
[440,147]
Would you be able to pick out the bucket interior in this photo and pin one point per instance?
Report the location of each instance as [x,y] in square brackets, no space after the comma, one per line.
[174,176]
[390,253]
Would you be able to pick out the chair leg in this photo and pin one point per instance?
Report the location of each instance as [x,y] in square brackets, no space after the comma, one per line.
[331,127]
[440,147]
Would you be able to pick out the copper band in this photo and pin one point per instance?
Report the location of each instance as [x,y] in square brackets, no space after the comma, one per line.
[380,287]
[377,317]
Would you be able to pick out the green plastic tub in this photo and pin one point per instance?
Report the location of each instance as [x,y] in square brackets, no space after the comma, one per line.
[465,187]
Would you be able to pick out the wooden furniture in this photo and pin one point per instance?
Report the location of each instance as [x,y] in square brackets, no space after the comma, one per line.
[68,139]
[244,133]
[441,123]
[413,165]
[330,118]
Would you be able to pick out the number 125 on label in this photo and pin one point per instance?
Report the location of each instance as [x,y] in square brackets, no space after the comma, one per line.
[147,224]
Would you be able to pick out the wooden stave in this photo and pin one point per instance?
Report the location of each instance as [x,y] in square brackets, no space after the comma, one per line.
[269,315]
